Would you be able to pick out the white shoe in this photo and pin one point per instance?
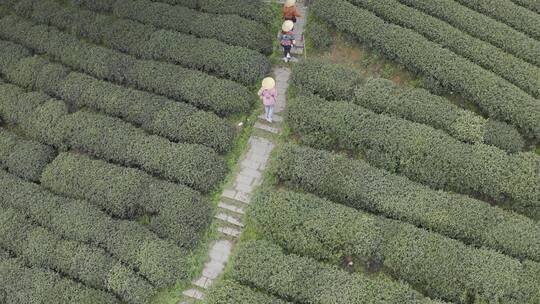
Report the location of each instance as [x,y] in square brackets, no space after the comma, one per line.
[285,59]
[289,56]
[269,120]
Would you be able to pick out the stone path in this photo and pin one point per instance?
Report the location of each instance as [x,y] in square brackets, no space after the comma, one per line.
[236,197]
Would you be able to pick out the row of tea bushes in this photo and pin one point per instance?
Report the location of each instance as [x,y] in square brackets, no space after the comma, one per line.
[197,88]
[522,74]
[438,266]
[155,114]
[176,212]
[304,280]
[114,140]
[506,11]
[22,285]
[533,5]
[24,158]
[336,82]
[420,152]
[356,184]
[229,291]
[147,42]
[497,97]
[231,29]
[482,26]
[38,247]
[159,261]
[258,10]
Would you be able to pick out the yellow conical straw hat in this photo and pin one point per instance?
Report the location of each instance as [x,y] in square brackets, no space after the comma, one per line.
[287,26]
[290,3]
[268,83]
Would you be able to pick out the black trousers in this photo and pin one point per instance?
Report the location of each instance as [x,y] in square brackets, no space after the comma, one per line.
[286,50]
[293,19]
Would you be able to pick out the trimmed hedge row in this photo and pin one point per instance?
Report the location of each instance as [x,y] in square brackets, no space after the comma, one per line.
[39,247]
[356,184]
[303,280]
[524,75]
[112,139]
[333,81]
[533,5]
[24,158]
[156,114]
[258,10]
[202,90]
[481,26]
[176,212]
[147,42]
[506,11]
[231,292]
[160,261]
[231,29]
[420,152]
[23,285]
[438,266]
[494,95]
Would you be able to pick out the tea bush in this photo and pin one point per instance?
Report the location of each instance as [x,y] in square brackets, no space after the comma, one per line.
[160,261]
[438,266]
[176,212]
[420,152]
[482,26]
[38,247]
[356,184]
[495,96]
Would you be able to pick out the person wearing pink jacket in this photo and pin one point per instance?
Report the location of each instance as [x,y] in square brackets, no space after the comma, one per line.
[268,95]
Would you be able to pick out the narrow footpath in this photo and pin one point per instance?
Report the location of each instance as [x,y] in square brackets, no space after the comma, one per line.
[236,197]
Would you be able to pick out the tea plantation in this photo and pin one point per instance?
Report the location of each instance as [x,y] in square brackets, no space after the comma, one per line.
[402,164]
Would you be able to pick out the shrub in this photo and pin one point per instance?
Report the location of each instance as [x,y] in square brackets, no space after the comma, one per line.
[258,10]
[524,75]
[505,11]
[177,212]
[327,80]
[228,291]
[186,20]
[420,152]
[159,115]
[494,95]
[36,285]
[418,105]
[530,4]
[318,34]
[356,184]
[147,42]
[161,262]
[439,266]
[24,158]
[197,88]
[265,266]
[11,53]
[482,26]
[39,247]
[111,139]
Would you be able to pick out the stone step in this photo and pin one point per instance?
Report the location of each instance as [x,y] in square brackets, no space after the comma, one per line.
[267,128]
[203,282]
[275,118]
[229,219]
[236,196]
[232,208]
[229,231]
[193,293]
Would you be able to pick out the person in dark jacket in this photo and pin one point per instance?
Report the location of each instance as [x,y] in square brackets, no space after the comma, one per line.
[286,39]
